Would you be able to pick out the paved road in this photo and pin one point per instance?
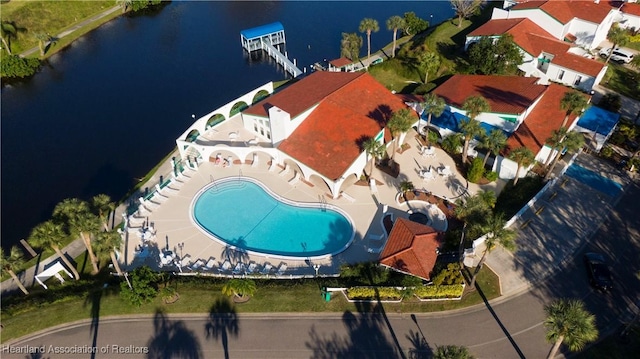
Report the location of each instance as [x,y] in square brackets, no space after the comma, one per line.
[506,328]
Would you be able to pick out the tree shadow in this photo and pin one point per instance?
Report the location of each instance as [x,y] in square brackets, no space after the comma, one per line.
[381,114]
[172,339]
[223,322]
[94,299]
[504,329]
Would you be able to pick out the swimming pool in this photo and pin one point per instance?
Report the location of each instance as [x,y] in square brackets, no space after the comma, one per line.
[243,213]
[594,180]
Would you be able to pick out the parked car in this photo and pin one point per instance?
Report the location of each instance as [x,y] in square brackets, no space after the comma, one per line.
[598,271]
[619,55]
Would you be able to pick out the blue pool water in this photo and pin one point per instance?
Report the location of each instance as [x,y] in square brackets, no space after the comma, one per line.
[594,180]
[244,215]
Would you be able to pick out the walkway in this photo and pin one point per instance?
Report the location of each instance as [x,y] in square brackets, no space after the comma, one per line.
[550,233]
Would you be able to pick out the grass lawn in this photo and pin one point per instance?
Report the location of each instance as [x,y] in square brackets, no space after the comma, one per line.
[622,80]
[197,296]
[50,17]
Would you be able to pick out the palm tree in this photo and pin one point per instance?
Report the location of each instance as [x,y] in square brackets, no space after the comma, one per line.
[51,234]
[11,263]
[572,102]
[81,222]
[494,142]
[374,149]
[475,209]
[406,186]
[43,40]
[429,61]
[473,105]
[399,123]
[523,157]
[571,142]
[470,129]
[394,23]
[125,4]
[350,45]
[553,142]
[569,322]
[102,206]
[109,242]
[432,105]
[240,288]
[618,37]
[9,31]
[496,234]
[452,352]
[368,26]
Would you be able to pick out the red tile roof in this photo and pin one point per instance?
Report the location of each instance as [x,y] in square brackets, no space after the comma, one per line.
[412,248]
[505,94]
[343,61]
[546,117]
[534,40]
[328,139]
[631,9]
[303,94]
[566,10]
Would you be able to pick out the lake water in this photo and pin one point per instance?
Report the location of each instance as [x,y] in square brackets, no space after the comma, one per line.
[106,109]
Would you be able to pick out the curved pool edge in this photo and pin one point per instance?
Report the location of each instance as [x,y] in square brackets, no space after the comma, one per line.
[277,197]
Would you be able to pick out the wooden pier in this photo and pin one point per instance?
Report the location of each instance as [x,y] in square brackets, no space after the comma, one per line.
[266,38]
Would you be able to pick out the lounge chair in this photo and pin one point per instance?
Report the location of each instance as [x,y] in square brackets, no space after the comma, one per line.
[239,268]
[226,266]
[211,264]
[281,269]
[197,265]
[267,269]
[185,261]
[252,268]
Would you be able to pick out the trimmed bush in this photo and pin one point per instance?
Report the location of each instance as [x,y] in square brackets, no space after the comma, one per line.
[452,144]
[474,175]
[448,276]
[368,293]
[439,291]
[491,176]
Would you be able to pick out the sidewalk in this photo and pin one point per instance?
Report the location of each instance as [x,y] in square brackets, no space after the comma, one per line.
[551,232]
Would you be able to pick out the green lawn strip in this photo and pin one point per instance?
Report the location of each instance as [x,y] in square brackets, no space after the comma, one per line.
[197,296]
[622,80]
[50,17]
[513,198]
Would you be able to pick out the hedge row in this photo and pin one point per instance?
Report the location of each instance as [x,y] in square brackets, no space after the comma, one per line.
[439,291]
[370,293]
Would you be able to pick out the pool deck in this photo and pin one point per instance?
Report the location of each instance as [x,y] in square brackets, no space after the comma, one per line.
[173,224]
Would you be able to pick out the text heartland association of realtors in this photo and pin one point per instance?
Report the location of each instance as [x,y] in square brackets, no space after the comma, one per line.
[74,349]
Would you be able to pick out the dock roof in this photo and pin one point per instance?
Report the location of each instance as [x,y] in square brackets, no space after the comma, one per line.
[257,32]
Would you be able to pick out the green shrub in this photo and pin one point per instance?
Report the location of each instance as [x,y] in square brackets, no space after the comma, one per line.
[611,102]
[606,152]
[449,275]
[144,284]
[452,144]
[491,175]
[439,291]
[475,171]
[15,66]
[366,293]
[433,137]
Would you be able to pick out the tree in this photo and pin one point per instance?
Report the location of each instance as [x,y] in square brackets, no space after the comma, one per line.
[554,142]
[465,8]
[12,262]
[571,142]
[144,286]
[109,242]
[415,25]
[473,105]
[374,150]
[570,323]
[125,4]
[350,46]
[81,222]
[9,31]
[14,66]
[573,103]
[368,25]
[498,57]
[452,143]
[452,352]
[50,234]
[406,186]
[43,41]
[399,123]
[611,102]
[494,142]
[618,37]
[240,288]
[429,61]
[496,233]
[395,23]
[523,157]
[432,105]
[102,206]
[475,209]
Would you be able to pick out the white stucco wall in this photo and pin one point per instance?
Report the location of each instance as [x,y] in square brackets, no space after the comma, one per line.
[584,31]
[570,77]
[629,21]
[542,19]
[495,119]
